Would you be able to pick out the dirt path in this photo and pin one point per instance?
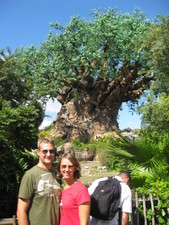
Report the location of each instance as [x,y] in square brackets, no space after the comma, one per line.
[92,170]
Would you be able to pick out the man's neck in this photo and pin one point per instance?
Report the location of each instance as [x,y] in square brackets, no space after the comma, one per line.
[44,166]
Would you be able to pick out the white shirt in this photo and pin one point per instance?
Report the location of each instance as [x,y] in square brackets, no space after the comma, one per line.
[125,202]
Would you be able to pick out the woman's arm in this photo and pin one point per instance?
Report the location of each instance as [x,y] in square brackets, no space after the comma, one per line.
[84,212]
[22,208]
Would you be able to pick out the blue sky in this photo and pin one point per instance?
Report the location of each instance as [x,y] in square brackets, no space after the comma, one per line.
[26,22]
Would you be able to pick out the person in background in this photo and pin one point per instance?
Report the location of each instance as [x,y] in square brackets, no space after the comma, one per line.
[125,201]
[39,193]
[75,199]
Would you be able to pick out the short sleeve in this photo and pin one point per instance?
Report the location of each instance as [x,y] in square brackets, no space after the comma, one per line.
[126,199]
[82,196]
[26,187]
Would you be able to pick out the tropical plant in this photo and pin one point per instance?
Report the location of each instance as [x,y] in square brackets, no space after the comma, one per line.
[146,155]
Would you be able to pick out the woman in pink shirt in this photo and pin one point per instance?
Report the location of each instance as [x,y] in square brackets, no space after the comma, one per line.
[75,199]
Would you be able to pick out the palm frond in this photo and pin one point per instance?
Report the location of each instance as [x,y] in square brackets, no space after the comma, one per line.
[150,152]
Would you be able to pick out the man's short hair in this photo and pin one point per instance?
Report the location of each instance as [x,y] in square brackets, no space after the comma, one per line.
[125,174]
[45,140]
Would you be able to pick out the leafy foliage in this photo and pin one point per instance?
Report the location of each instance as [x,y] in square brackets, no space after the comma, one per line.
[157,42]
[159,190]
[107,46]
[91,145]
[155,113]
[19,125]
[15,84]
[13,164]
[148,154]
[20,116]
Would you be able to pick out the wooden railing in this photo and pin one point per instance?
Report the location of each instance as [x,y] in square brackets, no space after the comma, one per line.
[9,221]
[145,203]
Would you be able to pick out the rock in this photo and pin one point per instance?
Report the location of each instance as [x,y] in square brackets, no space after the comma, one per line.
[129,133]
[67,147]
[87,155]
[90,155]
[103,167]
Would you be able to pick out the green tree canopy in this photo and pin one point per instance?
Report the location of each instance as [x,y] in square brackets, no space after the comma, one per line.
[106,47]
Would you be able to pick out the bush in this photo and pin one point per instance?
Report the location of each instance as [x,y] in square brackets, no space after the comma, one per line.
[159,190]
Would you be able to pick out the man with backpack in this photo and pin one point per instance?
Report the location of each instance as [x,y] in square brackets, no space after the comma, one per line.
[111,200]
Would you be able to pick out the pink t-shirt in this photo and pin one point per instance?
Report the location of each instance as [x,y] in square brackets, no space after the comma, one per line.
[71,198]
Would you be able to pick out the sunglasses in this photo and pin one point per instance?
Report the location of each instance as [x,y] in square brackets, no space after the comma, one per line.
[70,167]
[45,151]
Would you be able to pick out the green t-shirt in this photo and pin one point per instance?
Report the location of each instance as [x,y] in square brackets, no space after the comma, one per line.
[43,191]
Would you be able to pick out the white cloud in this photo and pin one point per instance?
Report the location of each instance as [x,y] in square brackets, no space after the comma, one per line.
[45,123]
[53,106]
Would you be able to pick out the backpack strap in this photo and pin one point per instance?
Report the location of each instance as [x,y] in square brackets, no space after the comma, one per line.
[119,211]
[120,216]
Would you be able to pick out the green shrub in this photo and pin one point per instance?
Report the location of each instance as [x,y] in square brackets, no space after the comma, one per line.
[160,192]
[79,145]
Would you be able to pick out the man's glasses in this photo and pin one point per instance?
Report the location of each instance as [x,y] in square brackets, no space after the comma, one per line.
[45,151]
[70,167]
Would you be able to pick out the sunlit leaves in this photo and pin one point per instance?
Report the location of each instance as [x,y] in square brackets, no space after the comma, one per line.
[82,48]
[157,42]
[155,113]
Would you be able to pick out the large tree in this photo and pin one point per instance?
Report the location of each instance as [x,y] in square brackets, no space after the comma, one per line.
[92,67]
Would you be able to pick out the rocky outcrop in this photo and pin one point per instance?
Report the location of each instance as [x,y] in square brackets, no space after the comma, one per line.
[129,133]
[87,155]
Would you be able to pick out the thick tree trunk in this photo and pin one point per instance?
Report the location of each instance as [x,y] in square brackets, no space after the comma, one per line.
[78,122]
[93,111]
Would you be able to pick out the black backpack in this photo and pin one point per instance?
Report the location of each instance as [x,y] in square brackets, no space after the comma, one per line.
[105,200]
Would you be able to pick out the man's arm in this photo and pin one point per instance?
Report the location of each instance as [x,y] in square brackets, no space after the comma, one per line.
[124,218]
[22,208]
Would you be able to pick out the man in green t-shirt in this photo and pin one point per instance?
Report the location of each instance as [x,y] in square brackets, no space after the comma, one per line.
[39,193]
